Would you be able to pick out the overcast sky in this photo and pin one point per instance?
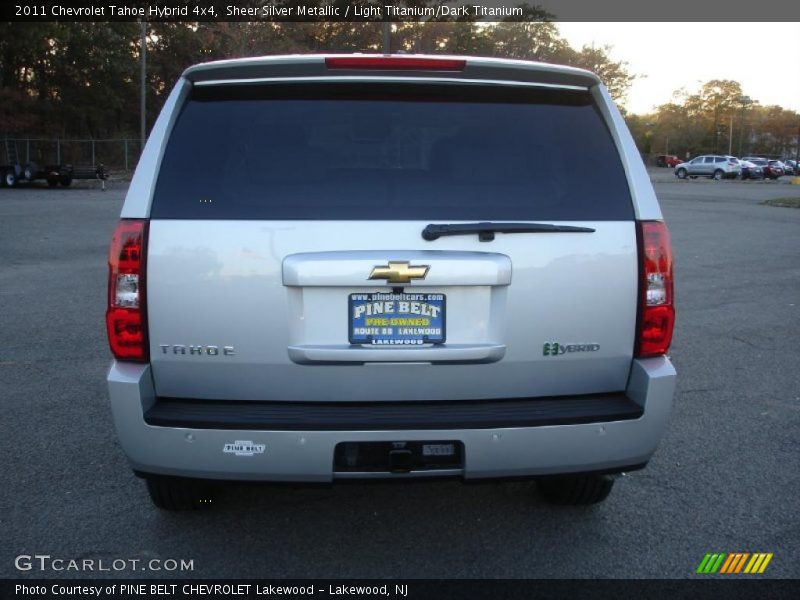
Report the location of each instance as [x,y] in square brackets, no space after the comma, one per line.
[763,57]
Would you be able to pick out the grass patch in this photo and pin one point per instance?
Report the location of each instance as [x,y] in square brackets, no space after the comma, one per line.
[784,202]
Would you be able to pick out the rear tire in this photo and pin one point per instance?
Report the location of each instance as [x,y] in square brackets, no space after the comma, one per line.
[681,173]
[10,178]
[576,490]
[65,180]
[174,493]
[718,175]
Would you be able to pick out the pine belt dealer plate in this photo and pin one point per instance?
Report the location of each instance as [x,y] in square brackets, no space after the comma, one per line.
[388,319]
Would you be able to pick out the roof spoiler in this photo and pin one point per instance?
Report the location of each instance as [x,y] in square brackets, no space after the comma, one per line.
[301,66]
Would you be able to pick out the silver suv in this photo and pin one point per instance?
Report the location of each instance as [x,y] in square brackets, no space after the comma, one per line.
[709,165]
[337,267]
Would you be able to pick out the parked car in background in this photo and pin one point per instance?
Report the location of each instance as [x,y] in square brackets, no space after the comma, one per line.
[791,167]
[750,170]
[714,166]
[771,171]
[778,167]
[667,160]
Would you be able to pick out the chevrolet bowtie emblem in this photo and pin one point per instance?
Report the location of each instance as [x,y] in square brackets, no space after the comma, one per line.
[399,272]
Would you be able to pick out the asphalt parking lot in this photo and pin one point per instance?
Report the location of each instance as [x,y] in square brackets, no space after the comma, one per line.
[725,478]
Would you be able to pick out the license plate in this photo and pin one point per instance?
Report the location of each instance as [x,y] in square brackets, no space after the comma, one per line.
[388,319]
[438,449]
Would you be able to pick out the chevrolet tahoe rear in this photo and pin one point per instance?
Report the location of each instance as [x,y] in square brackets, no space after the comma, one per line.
[339,267]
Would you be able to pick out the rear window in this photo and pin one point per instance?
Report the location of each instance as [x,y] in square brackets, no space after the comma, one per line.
[390,151]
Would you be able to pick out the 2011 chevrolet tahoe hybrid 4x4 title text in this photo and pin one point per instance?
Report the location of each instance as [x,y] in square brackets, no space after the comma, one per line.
[356,266]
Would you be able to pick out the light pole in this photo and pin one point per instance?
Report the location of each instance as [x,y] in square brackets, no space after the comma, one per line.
[387,30]
[648,140]
[797,153]
[143,83]
[730,138]
[744,101]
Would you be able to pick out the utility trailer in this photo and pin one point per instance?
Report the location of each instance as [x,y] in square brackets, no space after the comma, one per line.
[13,172]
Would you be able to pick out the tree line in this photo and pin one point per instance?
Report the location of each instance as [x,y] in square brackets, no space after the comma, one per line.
[82,79]
[721,119]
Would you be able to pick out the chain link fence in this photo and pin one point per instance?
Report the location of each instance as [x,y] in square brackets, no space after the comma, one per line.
[117,154]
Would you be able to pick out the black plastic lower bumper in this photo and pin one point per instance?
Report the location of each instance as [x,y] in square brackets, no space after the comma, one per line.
[374,416]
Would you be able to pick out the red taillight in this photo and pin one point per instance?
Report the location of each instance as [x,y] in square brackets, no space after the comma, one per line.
[656,317]
[125,317]
[395,63]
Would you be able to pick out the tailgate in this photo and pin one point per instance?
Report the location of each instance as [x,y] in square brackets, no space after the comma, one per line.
[278,295]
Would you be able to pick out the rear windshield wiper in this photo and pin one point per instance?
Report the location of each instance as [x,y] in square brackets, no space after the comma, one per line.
[486,230]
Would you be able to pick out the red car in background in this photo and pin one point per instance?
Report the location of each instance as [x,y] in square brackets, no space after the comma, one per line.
[667,160]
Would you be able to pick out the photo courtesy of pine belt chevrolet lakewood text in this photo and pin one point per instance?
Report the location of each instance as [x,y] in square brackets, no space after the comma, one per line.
[359,267]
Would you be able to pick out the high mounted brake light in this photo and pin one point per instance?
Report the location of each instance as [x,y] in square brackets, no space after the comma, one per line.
[125,317]
[395,63]
[656,316]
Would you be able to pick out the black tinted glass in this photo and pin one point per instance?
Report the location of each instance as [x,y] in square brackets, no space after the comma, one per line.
[342,151]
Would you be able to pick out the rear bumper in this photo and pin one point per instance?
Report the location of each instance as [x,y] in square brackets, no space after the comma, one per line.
[512,438]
